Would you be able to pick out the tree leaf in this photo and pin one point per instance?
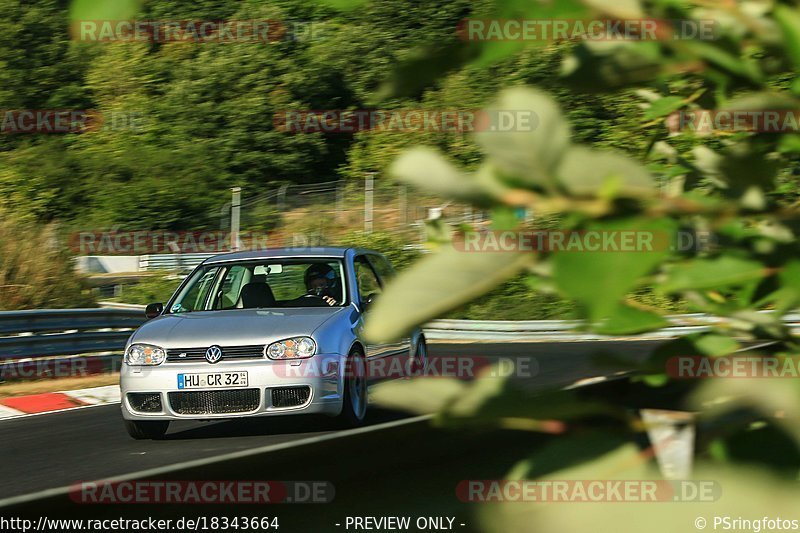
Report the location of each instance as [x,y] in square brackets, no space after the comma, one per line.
[663,107]
[430,395]
[599,279]
[105,10]
[584,172]
[788,20]
[437,284]
[711,273]
[529,154]
[627,320]
[715,345]
[598,66]
[429,171]
[623,9]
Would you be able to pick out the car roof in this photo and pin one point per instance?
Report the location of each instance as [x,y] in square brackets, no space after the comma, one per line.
[322,251]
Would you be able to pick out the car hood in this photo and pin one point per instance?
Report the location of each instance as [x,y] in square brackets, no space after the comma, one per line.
[236,327]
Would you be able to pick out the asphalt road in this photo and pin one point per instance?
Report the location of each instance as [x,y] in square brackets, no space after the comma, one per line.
[60,449]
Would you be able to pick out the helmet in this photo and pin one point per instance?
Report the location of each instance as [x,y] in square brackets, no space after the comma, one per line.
[320,271]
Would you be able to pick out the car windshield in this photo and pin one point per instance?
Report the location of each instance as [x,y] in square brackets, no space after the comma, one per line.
[263,284]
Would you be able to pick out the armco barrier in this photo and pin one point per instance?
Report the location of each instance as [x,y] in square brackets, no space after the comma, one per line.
[67,332]
[41,333]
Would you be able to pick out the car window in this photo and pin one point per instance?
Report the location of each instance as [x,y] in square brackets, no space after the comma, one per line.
[228,293]
[195,294]
[365,277]
[289,283]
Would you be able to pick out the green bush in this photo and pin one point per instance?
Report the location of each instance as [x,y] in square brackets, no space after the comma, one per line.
[35,272]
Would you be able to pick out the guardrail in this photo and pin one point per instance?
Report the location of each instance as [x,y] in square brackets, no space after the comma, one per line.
[45,333]
[38,334]
[178,262]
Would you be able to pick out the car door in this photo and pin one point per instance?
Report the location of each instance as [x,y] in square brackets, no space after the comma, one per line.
[368,285]
[386,272]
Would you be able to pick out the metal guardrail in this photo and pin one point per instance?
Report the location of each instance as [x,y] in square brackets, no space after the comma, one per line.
[63,332]
[46,333]
[172,261]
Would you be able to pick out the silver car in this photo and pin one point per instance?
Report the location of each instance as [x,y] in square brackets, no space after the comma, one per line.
[261,333]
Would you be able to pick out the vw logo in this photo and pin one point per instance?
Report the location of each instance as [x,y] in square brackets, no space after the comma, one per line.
[213,354]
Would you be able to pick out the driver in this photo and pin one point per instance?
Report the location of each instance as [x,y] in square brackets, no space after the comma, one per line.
[321,281]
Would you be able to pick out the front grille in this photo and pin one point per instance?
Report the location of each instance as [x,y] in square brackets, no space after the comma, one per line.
[145,402]
[290,396]
[214,402]
[255,351]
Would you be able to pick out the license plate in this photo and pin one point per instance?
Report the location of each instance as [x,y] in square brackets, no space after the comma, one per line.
[217,380]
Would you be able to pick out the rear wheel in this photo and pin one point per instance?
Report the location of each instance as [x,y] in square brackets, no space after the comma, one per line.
[146,429]
[354,399]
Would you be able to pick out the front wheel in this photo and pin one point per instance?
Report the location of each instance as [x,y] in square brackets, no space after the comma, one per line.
[354,399]
[146,429]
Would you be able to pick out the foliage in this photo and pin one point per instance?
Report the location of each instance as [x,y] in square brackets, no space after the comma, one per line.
[35,273]
[156,288]
[728,185]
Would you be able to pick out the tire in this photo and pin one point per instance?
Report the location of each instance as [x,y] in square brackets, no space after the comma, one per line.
[420,359]
[354,399]
[146,429]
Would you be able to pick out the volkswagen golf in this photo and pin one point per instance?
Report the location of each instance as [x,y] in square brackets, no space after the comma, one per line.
[260,333]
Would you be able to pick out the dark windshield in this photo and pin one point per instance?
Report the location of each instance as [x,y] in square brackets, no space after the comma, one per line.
[263,284]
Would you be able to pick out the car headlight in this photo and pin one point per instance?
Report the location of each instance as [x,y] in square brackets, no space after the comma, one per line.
[295,348]
[145,355]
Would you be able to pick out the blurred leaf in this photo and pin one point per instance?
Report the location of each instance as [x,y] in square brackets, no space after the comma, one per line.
[412,75]
[599,279]
[568,451]
[663,107]
[789,143]
[789,294]
[724,60]
[715,345]
[427,170]
[768,397]
[585,172]
[711,273]
[527,157]
[623,9]
[789,22]
[598,66]
[493,51]
[627,320]
[437,284]
[343,5]
[103,10]
[430,395]
[493,397]
[736,493]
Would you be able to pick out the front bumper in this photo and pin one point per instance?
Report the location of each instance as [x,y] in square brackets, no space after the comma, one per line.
[323,374]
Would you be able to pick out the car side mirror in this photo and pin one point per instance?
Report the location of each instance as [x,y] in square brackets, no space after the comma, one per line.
[153,310]
[368,302]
